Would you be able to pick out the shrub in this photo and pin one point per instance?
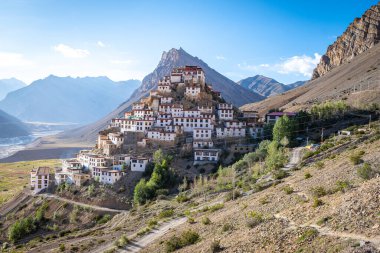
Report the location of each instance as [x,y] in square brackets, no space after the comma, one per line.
[227,227]
[323,220]
[308,154]
[234,194]
[356,158]
[62,247]
[190,220]
[21,228]
[365,171]
[288,189]
[152,223]
[254,218]
[216,207]
[318,191]
[122,241]
[182,197]
[307,175]
[206,221]
[317,202]
[307,235]
[264,200]
[342,186]
[188,237]
[215,246]
[166,214]
[103,219]
[319,165]
[279,174]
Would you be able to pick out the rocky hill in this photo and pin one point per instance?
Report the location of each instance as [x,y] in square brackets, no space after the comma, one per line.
[67,99]
[8,85]
[11,127]
[266,86]
[178,57]
[363,33]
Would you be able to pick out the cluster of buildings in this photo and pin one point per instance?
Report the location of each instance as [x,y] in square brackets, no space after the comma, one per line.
[182,112]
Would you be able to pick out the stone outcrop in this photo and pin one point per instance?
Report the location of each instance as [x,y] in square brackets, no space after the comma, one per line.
[360,35]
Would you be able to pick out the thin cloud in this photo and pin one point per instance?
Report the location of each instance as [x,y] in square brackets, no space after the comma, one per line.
[8,59]
[220,57]
[70,52]
[100,44]
[121,62]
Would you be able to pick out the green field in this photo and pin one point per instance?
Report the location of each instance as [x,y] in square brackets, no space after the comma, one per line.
[14,177]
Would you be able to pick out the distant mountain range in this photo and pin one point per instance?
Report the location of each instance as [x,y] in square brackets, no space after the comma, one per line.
[67,99]
[8,85]
[230,90]
[11,127]
[266,86]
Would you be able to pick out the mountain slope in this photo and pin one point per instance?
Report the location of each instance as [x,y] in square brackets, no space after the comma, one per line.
[11,127]
[66,99]
[266,86]
[356,82]
[175,57]
[363,33]
[8,85]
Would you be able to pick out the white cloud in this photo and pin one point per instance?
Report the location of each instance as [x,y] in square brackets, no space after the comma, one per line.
[70,52]
[13,60]
[303,65]
[220,57]
[295,65]
[100,44]
[121,62]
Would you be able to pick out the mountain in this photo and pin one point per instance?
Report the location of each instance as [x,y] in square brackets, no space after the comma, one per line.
[363,33]
[356,82]
[231,91]
[11,126]
[266,86]
[349,71]
[178,57]
[67,99]
[8,85]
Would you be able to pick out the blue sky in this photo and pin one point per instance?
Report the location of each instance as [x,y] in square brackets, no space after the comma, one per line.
[125,39]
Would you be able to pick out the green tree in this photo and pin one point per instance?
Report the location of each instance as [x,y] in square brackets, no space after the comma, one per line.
[142,192]
[284,127]
[276,157]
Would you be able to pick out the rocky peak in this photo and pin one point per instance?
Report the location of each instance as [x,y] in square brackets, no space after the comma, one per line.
[362,34]
[179,57]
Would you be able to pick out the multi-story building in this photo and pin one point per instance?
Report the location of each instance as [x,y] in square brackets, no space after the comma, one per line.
[40,179]
[225,111]
[206,155]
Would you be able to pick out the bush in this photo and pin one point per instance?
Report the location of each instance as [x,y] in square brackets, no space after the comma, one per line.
[288,189]
[365,171]
[188,237]
[152,223]
[21,228]
[62,247]
[166,214]
[342,186]
[206,221]
[182,197]
[103,219]
[318,191]
[234,194]
[307,235]
[215,246]
[227,227]
[319,165]
[356,158]
[254,218]
[279,174]
[317,202]
[323,220]
[216,207]
[122,241]
[307,175]
[190,220]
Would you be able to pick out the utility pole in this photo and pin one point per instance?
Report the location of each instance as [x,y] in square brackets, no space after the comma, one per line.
[307,136]
[369,123]
[322,135]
